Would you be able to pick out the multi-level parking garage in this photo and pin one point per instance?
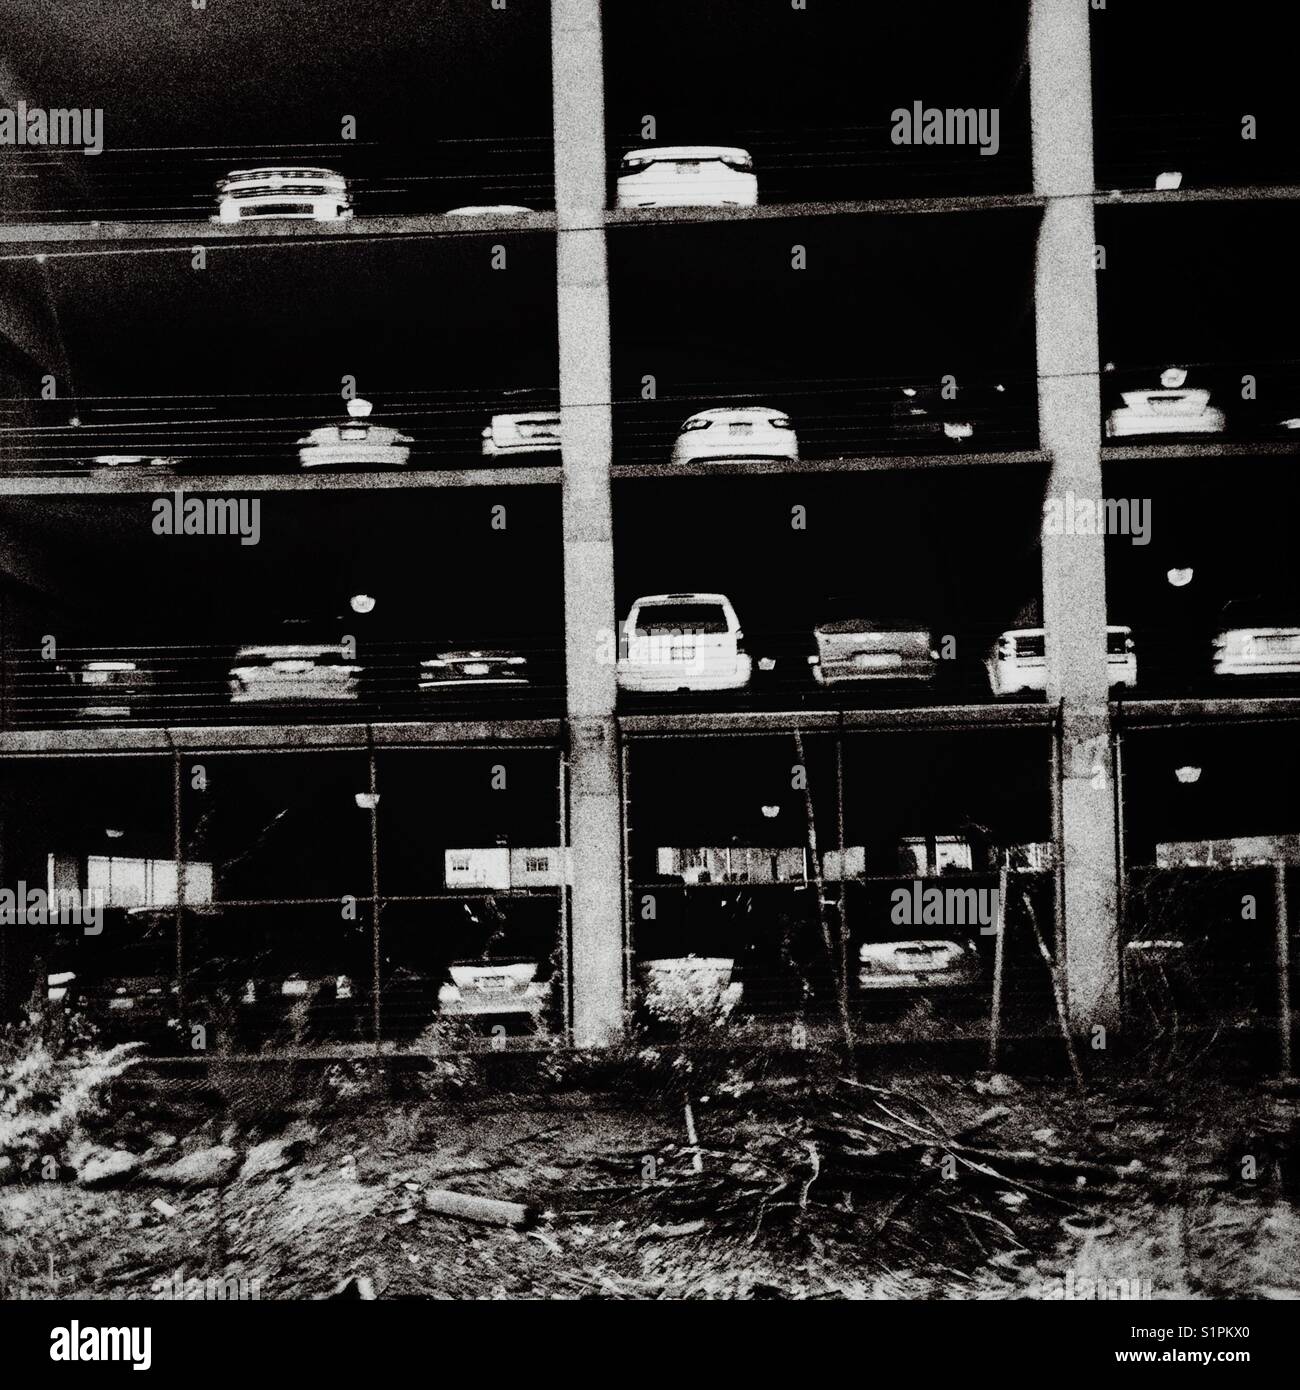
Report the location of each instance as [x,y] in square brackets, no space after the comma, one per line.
[946,330]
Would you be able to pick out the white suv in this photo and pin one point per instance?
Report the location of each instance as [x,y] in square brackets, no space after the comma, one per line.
[1018,661]
[674,642]
[283,190]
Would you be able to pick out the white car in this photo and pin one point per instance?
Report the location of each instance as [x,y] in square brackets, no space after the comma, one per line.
[486,990]
[1174,408]
[472,669]
[528,432]
[668,176]
[924,964]
[674,642]
[1249,645]
[1018,662]
[356,443]
[284,673]
[853,648]
[488,210]
[130,462]
[107,689]
[283,190]
[736,432]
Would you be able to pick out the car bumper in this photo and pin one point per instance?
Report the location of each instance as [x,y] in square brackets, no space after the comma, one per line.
[475,683]
[535,1001]
[1123,424]
[917,980]
[655,191]
[1013,677]
[494,450]
[847,673]
[354,456]
[735,450]
[663,677]
[272,205]
[292,691]
[1257,666]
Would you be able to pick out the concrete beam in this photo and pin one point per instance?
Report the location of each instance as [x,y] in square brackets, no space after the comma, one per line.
[1074,567]
[29,321]
[590,619]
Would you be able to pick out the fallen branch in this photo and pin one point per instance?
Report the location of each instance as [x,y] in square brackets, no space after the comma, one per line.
[1018,1161]
[486,1210]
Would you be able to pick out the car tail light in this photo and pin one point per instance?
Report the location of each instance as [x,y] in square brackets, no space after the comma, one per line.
[781,422]
[696,425]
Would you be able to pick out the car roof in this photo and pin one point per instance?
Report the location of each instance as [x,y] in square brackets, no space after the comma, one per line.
[856,614]
[290,651]
[669,152]
[651,599]
[479,209]
[1035,631]
[283,169]
[716,411]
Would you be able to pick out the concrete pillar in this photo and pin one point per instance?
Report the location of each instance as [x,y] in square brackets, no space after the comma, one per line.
[590,620]
[1074,567]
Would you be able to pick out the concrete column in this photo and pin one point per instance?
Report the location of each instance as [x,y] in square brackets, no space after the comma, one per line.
[1074,568]
[590,620]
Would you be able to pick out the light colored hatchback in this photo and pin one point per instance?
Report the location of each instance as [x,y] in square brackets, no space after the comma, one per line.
[1175,408]
[1256,640]
[525,432]
[355,443]
[667,176]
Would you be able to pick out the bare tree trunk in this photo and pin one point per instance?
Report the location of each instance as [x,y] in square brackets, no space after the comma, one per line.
[1058,992]
[837,946]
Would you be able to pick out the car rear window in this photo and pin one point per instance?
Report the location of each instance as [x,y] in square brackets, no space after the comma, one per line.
[682,617]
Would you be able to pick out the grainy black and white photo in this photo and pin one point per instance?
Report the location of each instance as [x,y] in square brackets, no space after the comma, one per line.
[649,651]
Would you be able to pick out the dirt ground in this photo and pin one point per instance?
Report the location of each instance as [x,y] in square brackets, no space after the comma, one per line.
[1195,1195]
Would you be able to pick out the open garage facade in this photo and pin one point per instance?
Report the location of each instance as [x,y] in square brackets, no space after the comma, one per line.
[356,762]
